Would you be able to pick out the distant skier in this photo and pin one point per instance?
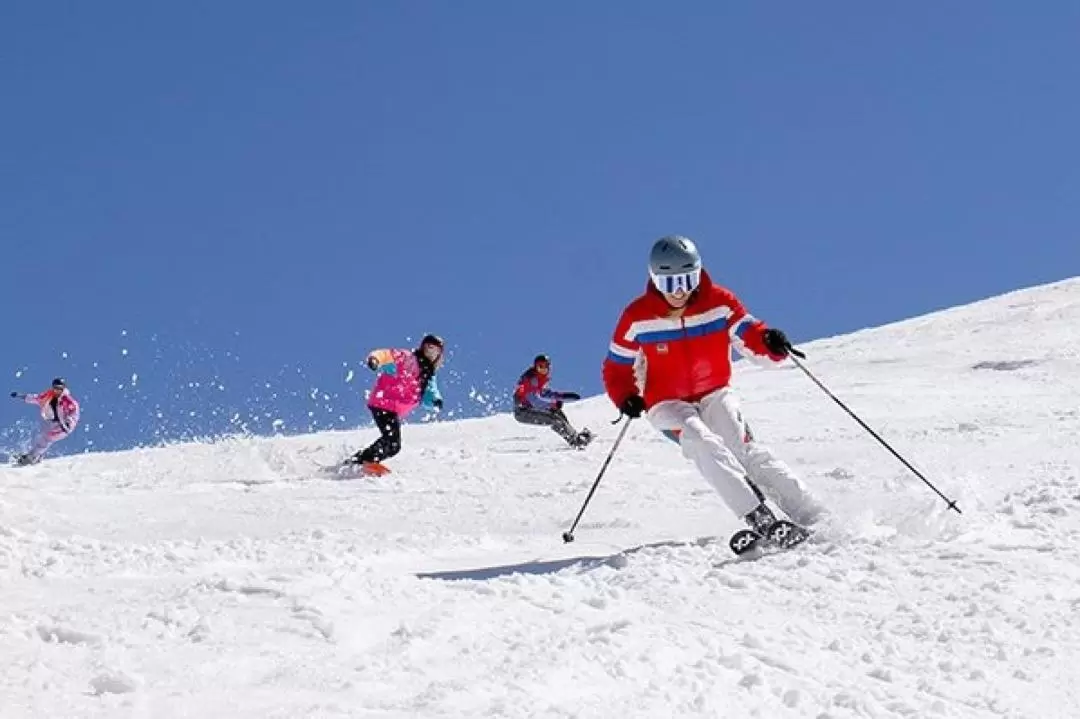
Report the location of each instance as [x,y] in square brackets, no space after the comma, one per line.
[406,378]
[682,329]
[59,415]
[535,404]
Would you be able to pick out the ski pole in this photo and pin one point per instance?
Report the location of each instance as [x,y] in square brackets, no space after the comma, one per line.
[796,355]
[568,536]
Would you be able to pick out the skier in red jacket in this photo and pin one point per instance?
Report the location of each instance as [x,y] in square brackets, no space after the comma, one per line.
[677,338]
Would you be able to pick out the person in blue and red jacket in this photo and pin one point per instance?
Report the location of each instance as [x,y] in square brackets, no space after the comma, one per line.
[676,340]
[534,403]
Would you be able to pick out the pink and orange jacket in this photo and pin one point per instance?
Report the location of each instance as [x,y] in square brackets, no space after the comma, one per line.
[397,388]
[64,410]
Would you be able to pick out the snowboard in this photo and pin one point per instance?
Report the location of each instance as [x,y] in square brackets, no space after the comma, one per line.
[352,470]
[21,460]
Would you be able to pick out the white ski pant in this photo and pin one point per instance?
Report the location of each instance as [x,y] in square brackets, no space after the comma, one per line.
[49,434]
[715,438]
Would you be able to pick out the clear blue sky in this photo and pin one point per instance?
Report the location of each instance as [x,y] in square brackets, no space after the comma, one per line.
[258,193]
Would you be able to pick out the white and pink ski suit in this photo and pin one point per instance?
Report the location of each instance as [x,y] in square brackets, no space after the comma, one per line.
[59,417]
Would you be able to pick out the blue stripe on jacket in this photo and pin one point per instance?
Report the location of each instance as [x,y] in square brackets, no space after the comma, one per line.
[544,399]
[708,328]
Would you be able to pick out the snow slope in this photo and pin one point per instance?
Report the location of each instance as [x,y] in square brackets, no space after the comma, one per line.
[233,580]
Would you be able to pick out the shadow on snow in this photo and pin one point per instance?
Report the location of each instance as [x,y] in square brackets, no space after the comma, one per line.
[580,563]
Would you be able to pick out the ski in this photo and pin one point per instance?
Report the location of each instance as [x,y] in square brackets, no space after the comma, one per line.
[744,541]
[780,535]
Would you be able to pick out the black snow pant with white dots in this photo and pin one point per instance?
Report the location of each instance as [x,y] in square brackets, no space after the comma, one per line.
[389,442]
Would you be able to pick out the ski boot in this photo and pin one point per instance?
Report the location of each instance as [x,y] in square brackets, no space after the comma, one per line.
[582,439]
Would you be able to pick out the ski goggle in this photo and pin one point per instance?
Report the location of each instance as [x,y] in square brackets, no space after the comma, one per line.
[683,283]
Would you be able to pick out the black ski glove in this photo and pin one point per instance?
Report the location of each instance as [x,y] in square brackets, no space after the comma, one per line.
[570,396]
[373,364]
[776,342]
[14,395]
[632,406]
[437,404]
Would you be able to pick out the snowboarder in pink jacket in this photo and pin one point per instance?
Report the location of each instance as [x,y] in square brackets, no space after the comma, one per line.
[406,378]
[59,417]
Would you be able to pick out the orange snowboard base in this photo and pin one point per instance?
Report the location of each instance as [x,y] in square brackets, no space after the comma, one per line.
[374,469]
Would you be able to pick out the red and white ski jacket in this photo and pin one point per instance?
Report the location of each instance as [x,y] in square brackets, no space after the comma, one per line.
[686,353]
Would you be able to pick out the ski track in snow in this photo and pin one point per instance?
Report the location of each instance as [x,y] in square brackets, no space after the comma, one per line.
[235,579]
